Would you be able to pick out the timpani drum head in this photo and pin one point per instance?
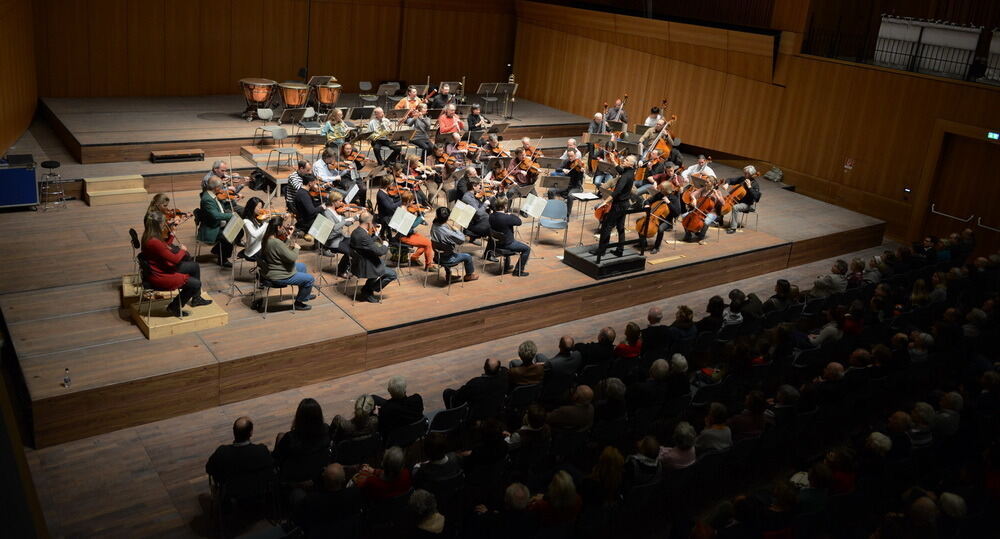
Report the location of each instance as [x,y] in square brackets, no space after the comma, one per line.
[258,91]
[294,94]
[328,94]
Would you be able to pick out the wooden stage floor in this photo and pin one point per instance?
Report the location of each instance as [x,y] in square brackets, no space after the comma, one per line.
[59,295]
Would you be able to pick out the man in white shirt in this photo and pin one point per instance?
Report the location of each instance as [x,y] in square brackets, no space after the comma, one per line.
[701,166]
[380,123]
[571,145]
[322,167]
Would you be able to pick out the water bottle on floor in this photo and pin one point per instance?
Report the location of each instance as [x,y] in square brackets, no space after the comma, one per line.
[67,381]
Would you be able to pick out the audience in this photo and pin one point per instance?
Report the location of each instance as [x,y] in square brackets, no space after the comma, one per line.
[682,454]
[525,370]
[716,436]
[400,409]
[484,394]
[242,466]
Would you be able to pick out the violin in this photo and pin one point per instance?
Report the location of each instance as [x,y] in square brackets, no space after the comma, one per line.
[467,147]
[498,151]
[416,209]
[449,161]
[227,195]
[529,166]
[319,191]
[342,208]
[263,214]
[577,165]
[532,152]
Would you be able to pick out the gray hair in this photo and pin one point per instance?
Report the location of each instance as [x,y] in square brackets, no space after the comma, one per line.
[879,443]
[397,386]
[614,389]
[516,496]
[953,505]
[218,163]
[787,394]
[923,413]
[684,435]
[214,183]
[527,351]
[750,169]
[392,462]
[423,504]
[952,400]
[678,363]
[364,405]
[659,369]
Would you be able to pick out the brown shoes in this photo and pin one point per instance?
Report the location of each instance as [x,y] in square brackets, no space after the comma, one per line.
[471,277]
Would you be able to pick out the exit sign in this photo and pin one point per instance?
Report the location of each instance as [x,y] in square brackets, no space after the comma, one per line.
[993,135]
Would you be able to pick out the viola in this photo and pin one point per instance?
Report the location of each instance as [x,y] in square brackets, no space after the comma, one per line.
[498,151]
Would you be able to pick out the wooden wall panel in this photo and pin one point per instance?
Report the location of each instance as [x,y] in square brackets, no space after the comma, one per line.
[18,90]
[246,41]
[284,53]
[182,43]
[108,59]
[146,42]
[214,55]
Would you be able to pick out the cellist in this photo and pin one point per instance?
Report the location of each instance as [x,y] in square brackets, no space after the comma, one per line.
[666,193]
[654,166]
[707,201]
[750,196]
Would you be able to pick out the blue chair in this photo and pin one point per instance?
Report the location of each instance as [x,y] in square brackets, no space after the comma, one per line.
[555,216]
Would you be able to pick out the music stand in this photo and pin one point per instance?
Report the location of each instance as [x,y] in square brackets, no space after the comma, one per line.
[402,135]
[607,168]
[508,90]
[454,85]
[362,113]
[433,113]
[504,162]
[554,182]
[292,116]
[597,138]
[487,88]
[616,126]
[396,114]
[628,147]
[549,162]
[498,128]
[320,80]
[463,110]
[442,138]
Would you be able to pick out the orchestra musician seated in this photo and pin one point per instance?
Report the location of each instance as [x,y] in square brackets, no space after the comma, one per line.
[169,267]
[701,167]
[664,191]
[254,224]
[295,183]
[443,98]
[571,144]
[479,226]
[709,216]
[216,212]
[449,121]
[410,101]
[364,241]
[421,126]
[278,263]
[444,234]
[503,224]
[380,127]
[325,168]
[478,124]
[336,128]
[744,204]
[653,117]
[520,172]
[421,244]
[572,166]
[597,125]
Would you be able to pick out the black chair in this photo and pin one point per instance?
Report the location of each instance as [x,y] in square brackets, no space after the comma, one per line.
[742,462]
[638,508]
[441,250]
[772,319]
[502,255]
[449,420]
[264,285]
[591,375]
[556,386]
[447,493]
[717,392]
[407,435]
[522,396]
[136,247]
[358,450]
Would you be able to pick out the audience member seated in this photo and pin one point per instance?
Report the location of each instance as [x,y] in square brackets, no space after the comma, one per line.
[301,453]
[653,391]
[429,523]
[716,435]
[655,337]
[390,481]
[946,420]
[832,283]
[682,454]
[242,467]
[603,486]
[831,331]
[576,416]
[713,322]
[829,388]
[567,362]
[484,394]
[897,427]
[920,433]
[627,353]
[599,352]
[331,508]
[780,300]
[527,370]
[363,423]
[642,466]
[683,327]
[534,433]
[678,383]
[440,464]
[514,520]
[782,411]
[400,409]
[560,504]
[610,403]
[750,422]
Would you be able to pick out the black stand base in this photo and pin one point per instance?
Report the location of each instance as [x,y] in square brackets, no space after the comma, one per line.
[579,258]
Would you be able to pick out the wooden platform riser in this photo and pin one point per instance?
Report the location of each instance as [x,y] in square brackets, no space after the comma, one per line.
[97,199]
[160,324]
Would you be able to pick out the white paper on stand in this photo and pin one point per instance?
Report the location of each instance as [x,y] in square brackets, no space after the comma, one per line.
[321,228]
[534,206]
[462,214]
[350,194]
[233,228]
[402,221]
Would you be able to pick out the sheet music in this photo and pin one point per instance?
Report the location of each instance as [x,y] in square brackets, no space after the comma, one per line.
[321,228]
[534,206]
[233,228]
[462,214]
[350,194]
[402,221]
[584,195]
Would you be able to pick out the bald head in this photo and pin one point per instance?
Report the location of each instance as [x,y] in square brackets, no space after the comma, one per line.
[242,429]
[365,218]
[491,366]
[583,395]
[566,344]
[333,477]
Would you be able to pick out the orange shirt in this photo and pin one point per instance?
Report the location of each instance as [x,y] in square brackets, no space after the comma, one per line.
[448,125]
[405,103]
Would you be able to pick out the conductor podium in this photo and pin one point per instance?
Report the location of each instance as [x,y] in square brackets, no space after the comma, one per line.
[580,259]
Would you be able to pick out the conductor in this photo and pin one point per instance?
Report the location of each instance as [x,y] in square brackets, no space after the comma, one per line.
[619,203]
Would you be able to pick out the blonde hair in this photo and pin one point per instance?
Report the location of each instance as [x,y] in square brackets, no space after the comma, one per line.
[154,225]
[561,492]
[159,199]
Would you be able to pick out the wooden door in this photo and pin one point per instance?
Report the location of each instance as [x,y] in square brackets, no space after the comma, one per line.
[967,183]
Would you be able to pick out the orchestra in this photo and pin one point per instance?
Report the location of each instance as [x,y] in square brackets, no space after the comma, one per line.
[473,167]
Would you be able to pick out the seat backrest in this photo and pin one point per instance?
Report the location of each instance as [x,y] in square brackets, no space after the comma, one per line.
[356,450]
[265,114]
[365,86]
[135,239]
[522,396]
[405,436]
[555,209]
[279,134]
[442,247]
[199,216]
[448,420]
[309,114]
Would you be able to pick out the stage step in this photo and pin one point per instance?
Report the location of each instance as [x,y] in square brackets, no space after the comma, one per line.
[108,190]
[162,324]
[258,154]
[176,156]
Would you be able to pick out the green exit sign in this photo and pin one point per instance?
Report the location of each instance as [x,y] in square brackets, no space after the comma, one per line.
[993,135]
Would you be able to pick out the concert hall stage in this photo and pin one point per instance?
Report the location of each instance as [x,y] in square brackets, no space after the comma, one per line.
[59,296]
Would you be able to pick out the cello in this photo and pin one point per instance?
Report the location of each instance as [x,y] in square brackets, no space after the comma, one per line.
[694,221]
[649,225]
[736,192]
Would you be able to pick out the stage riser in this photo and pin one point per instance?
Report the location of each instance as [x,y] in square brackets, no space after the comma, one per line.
[815,249]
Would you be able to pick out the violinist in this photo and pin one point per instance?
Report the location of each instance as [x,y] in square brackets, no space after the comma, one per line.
[169,267]
[572,167]
[520,172]
[325,168]
[701,168]
[336,128]
[309,201]
[364,242]
[503,223]
[220,170]
[215,215]
[444,164]
[417,170]
[443,98]
[380,127]
[278,263]
[464,183]
[421,128]
[745,203]
[709,212]
[420,243]
[605,154]
[449,122]
[410,102]
[443,233]
[493,148]
[619,201]
[387,199]
[350,164]
[529,150]
[174,217]
[255,217]
[457,149]
[665,191]
[295,183]
[479,226]
[338,241]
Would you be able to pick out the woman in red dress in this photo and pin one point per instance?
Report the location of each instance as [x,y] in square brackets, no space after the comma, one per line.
[169,267]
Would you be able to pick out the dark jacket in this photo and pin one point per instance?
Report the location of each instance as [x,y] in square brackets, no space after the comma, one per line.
[213,219]
[655,341]
[394,413]
[370,252]
[240,466]
[595,353]
[503,224]
[306,209]
[485,394]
